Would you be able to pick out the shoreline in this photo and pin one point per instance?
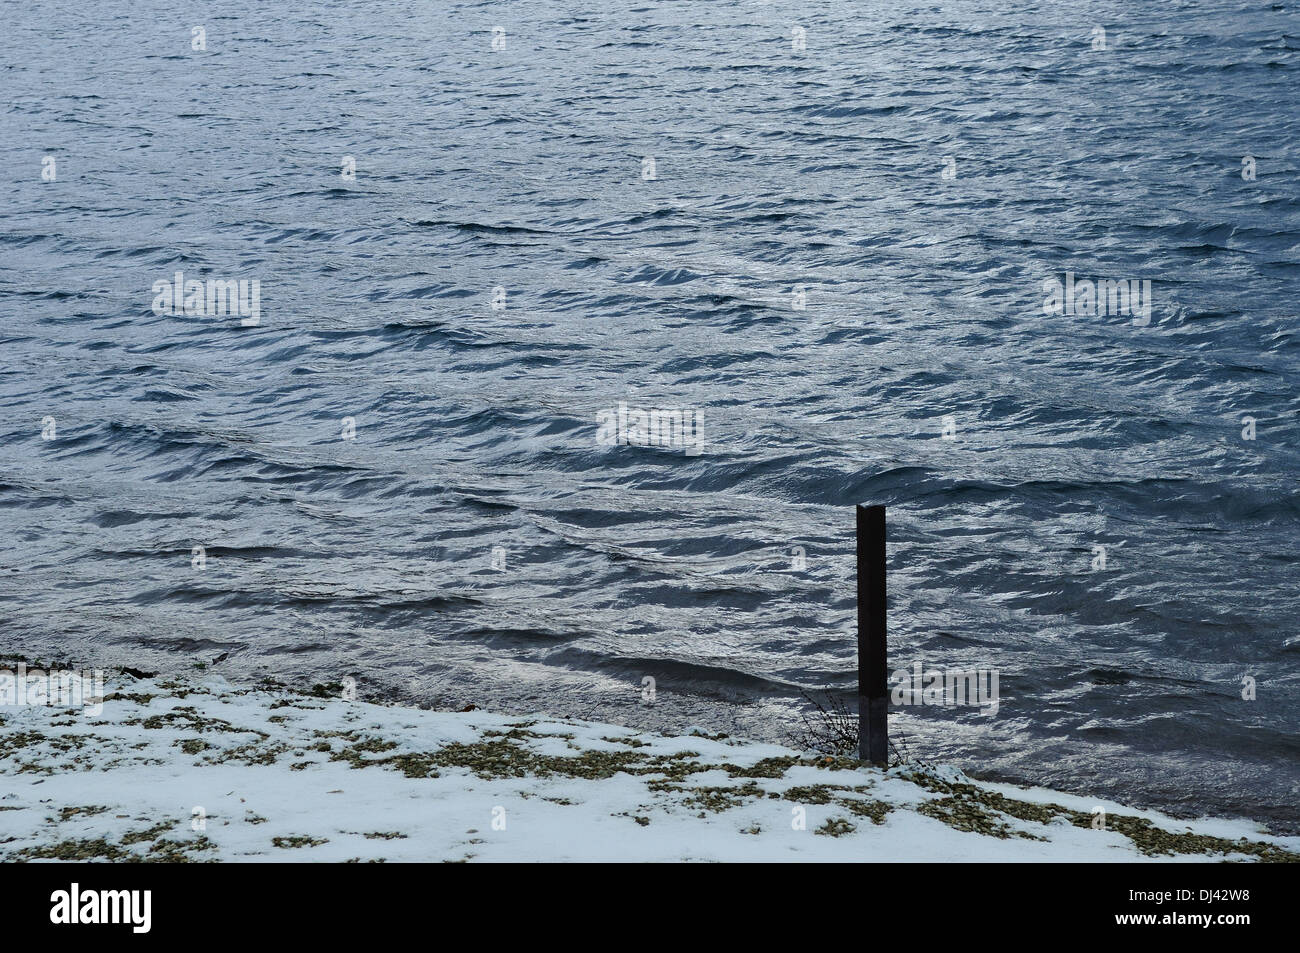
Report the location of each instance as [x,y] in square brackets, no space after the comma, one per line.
[1117,773]
[193,768]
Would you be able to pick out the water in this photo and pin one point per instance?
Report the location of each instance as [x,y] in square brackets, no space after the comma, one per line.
[475,428]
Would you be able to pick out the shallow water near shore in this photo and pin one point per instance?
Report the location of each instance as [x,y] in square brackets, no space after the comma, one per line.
[476,543]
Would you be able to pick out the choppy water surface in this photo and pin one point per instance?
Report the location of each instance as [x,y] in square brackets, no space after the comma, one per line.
[521,168]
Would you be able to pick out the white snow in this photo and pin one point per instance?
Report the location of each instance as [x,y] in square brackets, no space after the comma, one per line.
[118,783]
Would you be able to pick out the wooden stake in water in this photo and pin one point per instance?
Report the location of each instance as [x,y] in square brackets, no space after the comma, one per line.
[873,696]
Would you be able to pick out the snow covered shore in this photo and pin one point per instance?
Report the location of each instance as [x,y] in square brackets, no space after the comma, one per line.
[197,769]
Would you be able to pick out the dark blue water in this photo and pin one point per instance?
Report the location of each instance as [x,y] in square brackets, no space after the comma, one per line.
[476,428]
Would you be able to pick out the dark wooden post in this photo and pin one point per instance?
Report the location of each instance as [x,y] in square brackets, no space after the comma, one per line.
[873,697]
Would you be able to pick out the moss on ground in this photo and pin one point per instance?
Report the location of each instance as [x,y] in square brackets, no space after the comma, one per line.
[253,753]
[836,827]
[717,799]
[88,849]
[812,793]
[875,810]
[90,810]
[189,717]
[962,814]
[160,849]
[149,834]
[137,698]
[968,807]
[298,840]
